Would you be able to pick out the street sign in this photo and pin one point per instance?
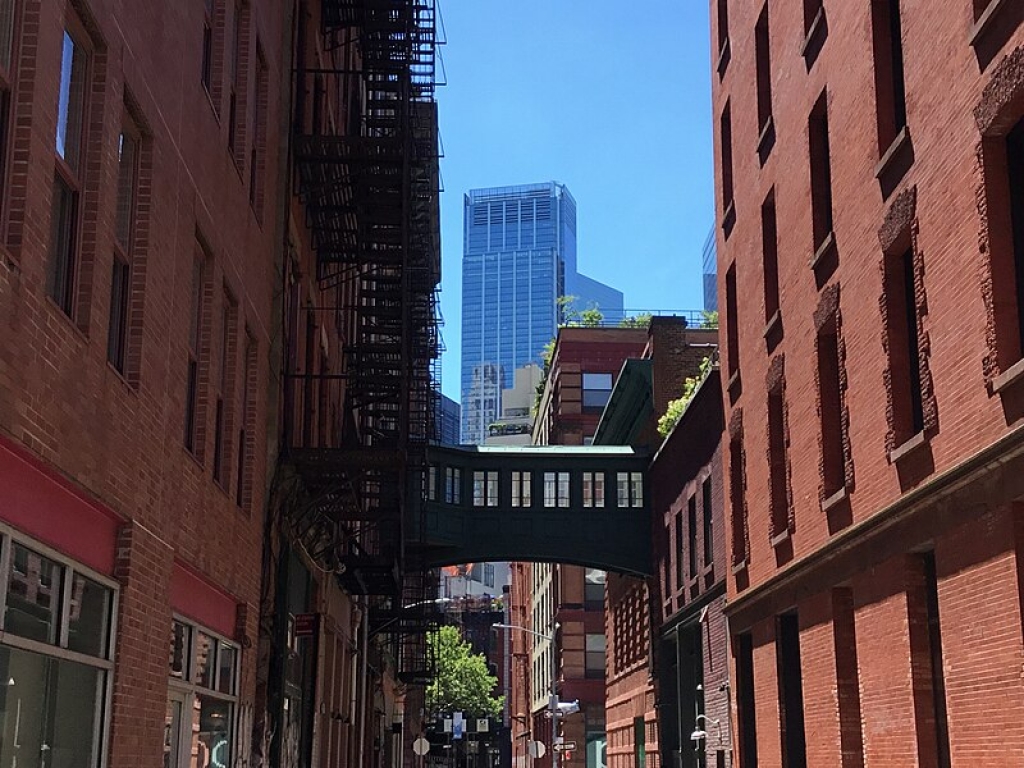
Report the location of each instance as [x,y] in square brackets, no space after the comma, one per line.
[482,726]
[565,746]
[305,624]
[458,725]
[536,749]
[447,725]
[421,746]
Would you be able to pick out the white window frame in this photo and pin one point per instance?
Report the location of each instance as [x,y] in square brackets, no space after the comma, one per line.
[521,489]
[188,688]
[8,536]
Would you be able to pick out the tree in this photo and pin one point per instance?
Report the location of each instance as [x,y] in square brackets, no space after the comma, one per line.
[463,682]
[709,318]
[676,408]
[636,321]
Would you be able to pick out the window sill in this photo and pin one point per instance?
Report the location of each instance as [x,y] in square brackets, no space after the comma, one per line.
[209,100]
[740,567]
[1011,376]
[814,39]
[733,386]
[834,500]
[908,447]
[827,246]
[985,21]
[724,54]
[122,379]
[895,152]
[193,458]
[729,218]
[66,318]
[766,140]
[780,538]
[774,324]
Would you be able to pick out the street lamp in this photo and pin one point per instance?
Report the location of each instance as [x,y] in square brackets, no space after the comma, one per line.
[553,707]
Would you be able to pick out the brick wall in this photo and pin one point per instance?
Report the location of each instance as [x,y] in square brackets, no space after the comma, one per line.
[936,190]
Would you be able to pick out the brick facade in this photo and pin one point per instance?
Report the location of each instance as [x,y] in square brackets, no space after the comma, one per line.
[901,567]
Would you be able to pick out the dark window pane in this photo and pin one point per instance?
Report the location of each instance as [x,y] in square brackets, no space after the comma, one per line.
[89,617]
[178,657]
[127,152]
[117,332]
[6,34]
[227,663]
[62,244]
[206,648]
[33,596]
[56,705]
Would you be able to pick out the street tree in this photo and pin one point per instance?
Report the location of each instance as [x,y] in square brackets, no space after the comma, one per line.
[462,682]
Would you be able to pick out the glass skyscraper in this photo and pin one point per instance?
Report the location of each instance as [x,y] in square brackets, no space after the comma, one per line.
[519,256]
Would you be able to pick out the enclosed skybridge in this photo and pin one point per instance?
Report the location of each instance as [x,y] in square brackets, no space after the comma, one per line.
[584,505]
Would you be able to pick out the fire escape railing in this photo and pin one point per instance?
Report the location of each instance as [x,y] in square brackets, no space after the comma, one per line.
[365,140]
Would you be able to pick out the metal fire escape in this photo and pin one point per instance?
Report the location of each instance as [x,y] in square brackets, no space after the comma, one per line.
[366,152]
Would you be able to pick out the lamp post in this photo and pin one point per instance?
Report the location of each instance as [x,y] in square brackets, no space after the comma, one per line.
[553,698]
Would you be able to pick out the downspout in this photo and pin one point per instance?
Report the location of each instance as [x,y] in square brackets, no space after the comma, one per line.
[364,612]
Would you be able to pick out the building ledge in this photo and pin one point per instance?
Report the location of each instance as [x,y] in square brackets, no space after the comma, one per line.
[729,218]
[724,54]
[985,21]
[894,154]
[814,39]
[766,140]
[781,538]
[774,324]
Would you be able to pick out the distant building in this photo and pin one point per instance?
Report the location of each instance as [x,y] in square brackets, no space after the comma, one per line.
[519,257]
[448,419]
[515,425]
[710,273]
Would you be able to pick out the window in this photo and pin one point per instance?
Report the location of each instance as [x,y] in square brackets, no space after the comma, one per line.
[691,531]
[745,702]
[593,589]
[121,271]
[247,425]
[890,88]
[597,388]
[1005,206]
[934,645]
[812,10]
[67,182]
[844,634]
[224,398]
[725,136]
[432,483]
[453,485]
[594,661]
[485,489]
[201,700]
[521,489]
[60,619]
[778,461]
[723,35]
[488,575]
[770,257]
[556,489]
[904,345]
[193,441]
[206,72]
[630,489]
[237,83]
[762,45]
[821,173]
[732,323]
[257,151]
[791,695]
[593,489]
[737,500]
[680,565]
[830,406]
[7,57]
[709,541]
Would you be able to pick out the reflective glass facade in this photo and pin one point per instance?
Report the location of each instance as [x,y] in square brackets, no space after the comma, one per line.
[519,256]
[710,273]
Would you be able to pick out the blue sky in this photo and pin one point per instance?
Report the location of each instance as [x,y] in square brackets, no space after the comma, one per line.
[610,98]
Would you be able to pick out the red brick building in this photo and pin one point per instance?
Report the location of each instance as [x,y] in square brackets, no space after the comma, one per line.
[871,247]
[139,205]
[666,636]
[185,348]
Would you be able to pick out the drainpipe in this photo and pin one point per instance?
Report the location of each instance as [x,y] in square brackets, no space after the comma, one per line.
[364,707]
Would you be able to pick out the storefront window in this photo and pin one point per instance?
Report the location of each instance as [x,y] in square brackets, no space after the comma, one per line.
[53,684]
[199,728]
